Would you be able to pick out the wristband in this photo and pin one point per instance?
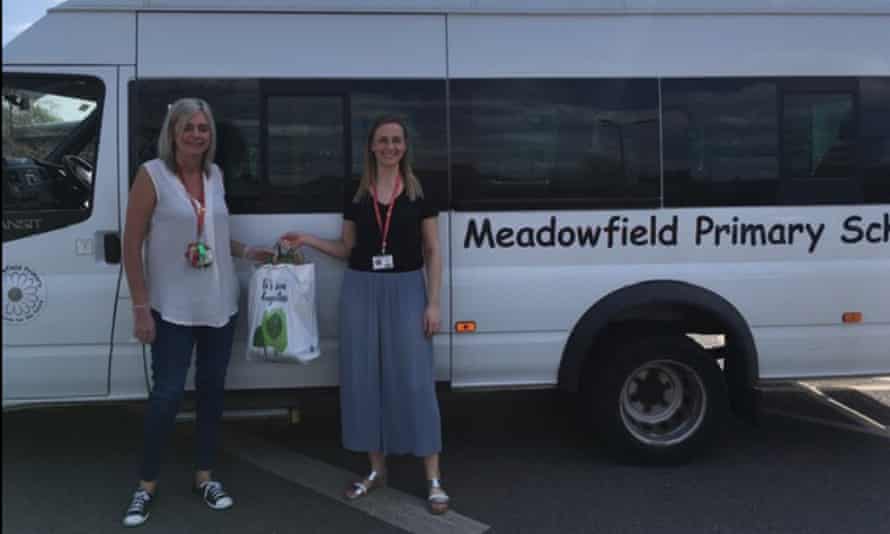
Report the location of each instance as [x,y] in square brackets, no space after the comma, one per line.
[141,306]
[245,254]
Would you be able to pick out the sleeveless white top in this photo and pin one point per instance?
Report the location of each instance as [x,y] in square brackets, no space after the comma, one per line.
[181,293]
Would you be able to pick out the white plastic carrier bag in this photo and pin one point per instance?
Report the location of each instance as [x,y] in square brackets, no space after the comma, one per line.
[282,318]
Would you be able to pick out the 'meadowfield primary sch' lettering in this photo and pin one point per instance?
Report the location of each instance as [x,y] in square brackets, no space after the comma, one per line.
[619,232]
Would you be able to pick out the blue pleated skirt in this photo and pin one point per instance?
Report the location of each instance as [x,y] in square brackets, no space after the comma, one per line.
[387,389]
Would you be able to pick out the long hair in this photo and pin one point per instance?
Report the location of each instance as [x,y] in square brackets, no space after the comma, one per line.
[369,174]
[177,114]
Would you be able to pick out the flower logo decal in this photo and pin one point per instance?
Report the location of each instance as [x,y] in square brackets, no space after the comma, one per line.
[24,294]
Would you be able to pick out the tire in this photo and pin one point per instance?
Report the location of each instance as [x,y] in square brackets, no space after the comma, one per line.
[658,400]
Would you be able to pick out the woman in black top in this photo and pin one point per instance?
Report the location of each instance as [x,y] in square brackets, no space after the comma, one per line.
[389,312]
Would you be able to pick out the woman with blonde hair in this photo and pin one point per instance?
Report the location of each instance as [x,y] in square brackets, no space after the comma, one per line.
[389,312]
[184,291]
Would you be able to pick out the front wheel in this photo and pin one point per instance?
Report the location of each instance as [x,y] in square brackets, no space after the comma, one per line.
[660,399]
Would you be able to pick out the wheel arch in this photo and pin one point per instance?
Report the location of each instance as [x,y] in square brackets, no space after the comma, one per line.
[640,304]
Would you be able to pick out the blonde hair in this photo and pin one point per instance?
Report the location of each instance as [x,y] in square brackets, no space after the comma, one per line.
[177,114]
[369,173]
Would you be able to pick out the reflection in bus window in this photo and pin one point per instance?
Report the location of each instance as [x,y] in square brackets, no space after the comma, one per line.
[720,142]
[566,142]
[874,138]
[818,135]
[50,134]
[290,146]
[305,140]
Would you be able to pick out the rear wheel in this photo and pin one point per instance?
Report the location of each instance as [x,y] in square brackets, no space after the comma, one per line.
[660,399]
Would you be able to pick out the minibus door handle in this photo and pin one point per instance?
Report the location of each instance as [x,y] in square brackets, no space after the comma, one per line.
[111,243]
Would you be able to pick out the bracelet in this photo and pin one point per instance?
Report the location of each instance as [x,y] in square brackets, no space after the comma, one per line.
[141,306]
[245,253]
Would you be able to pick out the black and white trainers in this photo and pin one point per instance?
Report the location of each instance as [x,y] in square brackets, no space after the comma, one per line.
[137,512]
[214,495]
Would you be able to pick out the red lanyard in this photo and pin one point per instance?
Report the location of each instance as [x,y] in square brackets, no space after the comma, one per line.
[384,228]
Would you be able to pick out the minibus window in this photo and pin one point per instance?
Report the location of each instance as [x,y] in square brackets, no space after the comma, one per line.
[874,141]
[818,134]
[538,144]
[291,145]
[776,141]
[50,137]
[305,142]
[819,149]
[720,142]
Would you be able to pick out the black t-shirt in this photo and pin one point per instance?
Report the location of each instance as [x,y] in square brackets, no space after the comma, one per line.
[405,242]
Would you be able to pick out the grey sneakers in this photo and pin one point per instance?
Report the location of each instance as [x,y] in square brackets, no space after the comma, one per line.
[211,492]
[214,495]
[137,512]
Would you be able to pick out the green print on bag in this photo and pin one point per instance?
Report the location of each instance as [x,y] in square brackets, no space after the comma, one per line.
[272,331]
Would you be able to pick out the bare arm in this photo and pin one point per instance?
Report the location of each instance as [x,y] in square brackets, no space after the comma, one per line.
[140,207]
[337,248]
[239,249]
[432,258]
[244,251]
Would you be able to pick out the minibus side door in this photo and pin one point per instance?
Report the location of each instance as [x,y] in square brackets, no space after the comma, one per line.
[61,248]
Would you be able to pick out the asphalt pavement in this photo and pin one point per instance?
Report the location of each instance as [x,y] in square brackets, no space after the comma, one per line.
[514,462]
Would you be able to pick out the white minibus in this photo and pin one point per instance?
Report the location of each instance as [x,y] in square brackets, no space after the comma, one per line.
[619,182]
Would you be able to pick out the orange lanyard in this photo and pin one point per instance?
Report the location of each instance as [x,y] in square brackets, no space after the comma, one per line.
[384,227]
[199,210]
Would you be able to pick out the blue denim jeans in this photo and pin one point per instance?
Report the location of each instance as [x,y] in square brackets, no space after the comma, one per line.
[171,358]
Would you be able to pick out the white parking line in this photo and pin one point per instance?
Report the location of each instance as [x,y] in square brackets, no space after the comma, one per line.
[392,506]
[866,425]
[843,407]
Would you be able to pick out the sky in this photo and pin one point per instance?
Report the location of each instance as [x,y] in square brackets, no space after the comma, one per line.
[19,14]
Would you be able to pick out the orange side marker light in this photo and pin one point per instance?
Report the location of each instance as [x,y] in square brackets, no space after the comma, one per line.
[852,317]
[465,327]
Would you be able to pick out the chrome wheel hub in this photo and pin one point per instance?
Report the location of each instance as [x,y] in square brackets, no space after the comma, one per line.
[663,402]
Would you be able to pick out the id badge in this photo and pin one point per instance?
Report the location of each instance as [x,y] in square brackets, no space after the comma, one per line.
[382,263]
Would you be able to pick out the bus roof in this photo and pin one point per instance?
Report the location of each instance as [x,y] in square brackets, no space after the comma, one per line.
[555,7]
